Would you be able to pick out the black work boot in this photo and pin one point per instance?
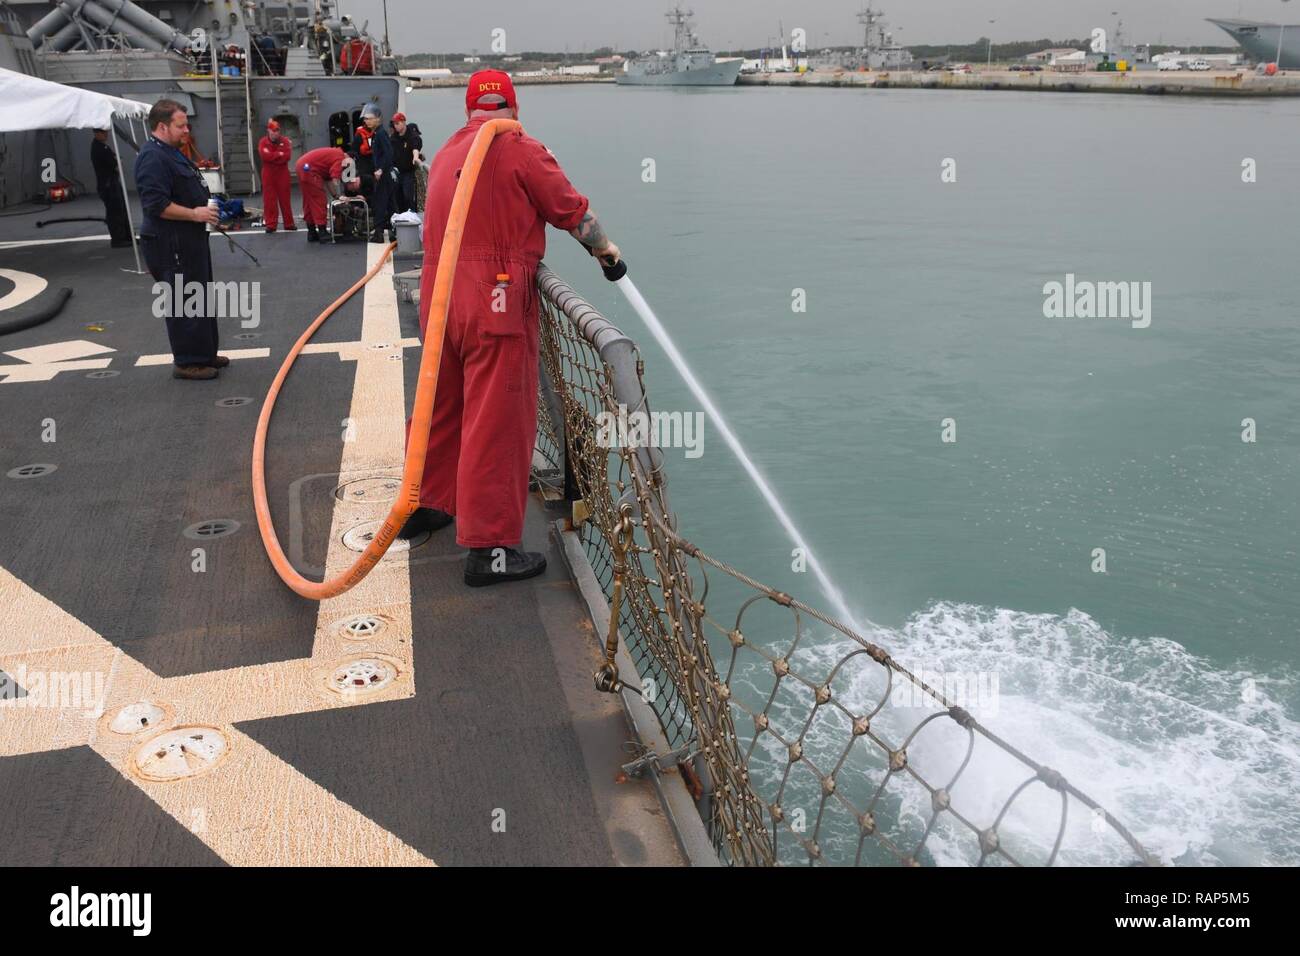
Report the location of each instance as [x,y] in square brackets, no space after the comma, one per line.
[424,519]
[498,565]
[311,233]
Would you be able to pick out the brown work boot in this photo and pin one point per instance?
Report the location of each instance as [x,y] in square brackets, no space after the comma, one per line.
[221,361]
[195,373]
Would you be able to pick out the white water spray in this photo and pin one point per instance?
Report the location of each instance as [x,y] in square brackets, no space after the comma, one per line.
[643,309]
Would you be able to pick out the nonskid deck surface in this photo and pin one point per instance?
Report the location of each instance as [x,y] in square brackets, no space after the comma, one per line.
[484,741]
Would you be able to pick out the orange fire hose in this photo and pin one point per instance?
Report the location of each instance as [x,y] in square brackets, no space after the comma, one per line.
[417,444]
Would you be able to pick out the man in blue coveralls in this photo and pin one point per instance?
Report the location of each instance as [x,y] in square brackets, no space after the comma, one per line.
[174,239]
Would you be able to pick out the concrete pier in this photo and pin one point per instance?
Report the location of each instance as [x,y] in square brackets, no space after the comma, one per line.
[1240,82]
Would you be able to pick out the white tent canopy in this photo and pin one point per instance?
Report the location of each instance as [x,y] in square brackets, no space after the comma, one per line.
[29,103]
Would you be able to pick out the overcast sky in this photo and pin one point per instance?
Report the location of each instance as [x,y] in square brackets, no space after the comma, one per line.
[417,26]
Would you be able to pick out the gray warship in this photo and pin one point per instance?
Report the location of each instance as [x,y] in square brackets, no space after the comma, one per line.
[1265,42]
[879,49]
[687,64]
[233,66]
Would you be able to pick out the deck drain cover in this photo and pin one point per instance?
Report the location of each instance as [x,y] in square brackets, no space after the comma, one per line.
[359,538]
[103,373]
[180,753]
[397,357]
[367,490]
[233,402]
[379,345]
[139,717]
[355,676]
[363,627]
[30,471]
[212,528]
[246,336]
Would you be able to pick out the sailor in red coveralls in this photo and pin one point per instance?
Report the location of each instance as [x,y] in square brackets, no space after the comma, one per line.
[485,411]
[275,150]
[319,172]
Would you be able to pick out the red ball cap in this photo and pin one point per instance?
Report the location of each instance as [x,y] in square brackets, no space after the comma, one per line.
[273,126]
[399,117]
[489,83]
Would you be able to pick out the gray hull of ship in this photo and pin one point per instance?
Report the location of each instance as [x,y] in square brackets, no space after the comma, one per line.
[719,74]
[1259,40]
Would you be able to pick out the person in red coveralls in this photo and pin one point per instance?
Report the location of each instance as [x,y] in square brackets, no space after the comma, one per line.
[485,410]
[319,172]
[275,150]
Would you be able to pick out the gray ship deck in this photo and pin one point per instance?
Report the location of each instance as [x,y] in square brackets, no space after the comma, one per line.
[492,722]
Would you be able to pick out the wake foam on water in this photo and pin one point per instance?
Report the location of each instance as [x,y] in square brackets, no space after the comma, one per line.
[1201,770]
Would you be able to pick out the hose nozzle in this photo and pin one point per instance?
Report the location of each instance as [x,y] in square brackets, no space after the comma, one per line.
[613,272]
[616,271]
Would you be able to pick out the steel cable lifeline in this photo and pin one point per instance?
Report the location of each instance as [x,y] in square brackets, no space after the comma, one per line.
[417,444]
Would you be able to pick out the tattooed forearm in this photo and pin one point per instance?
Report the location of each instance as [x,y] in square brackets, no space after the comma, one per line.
[589,232]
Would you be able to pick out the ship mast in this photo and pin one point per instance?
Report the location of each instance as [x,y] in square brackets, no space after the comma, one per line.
[869,18]
[681,30]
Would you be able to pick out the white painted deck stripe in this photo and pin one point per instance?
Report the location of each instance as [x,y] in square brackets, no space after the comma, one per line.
[165,358]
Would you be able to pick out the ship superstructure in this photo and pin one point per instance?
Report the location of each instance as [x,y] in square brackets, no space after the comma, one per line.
[233,66]
[880,51]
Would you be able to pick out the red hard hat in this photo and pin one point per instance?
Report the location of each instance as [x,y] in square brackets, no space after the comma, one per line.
[487,83]
[273,126]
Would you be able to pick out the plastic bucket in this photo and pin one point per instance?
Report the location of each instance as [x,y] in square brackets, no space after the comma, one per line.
[408,237]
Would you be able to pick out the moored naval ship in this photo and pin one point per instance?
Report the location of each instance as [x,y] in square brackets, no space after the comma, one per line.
[1265,42]
[687,64]
[879,49]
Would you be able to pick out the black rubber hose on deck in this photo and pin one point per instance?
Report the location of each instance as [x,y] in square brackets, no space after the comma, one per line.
[42,223]
[37,311]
